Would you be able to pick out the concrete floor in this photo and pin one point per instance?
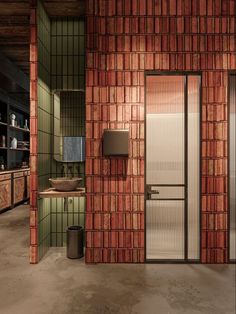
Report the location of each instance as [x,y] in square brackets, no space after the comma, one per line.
[58,285]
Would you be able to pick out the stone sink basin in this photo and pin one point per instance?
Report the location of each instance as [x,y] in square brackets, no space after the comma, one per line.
[65,184]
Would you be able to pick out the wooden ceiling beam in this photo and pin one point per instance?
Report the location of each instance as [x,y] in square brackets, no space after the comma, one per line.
[15,41]
[12,31]
[67,8]
[14,1]
[14,20]
[16,55]
[20,47]
[14,8]
[23,63]
[14,25]
[65,1]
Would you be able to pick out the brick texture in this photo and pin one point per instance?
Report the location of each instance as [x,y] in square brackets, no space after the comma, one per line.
[124,39]
[33,135]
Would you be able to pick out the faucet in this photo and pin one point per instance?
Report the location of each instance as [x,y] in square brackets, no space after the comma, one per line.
[78,169]
[70,171]
[63,173]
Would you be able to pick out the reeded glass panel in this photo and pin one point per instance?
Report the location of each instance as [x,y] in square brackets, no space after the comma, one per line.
[193,166]
[165,165]
[232,167]
[165,129]
[165,229]
[167,192]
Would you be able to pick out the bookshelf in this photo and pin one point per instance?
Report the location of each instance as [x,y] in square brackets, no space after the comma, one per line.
[13,157]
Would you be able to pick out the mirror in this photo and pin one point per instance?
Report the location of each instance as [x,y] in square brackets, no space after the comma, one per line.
[69,126]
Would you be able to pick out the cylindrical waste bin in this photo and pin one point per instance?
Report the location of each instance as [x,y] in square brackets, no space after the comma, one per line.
[75,242]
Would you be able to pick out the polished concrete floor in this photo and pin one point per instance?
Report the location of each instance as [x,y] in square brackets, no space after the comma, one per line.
[60,286]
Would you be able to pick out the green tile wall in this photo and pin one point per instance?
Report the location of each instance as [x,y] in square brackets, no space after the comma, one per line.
[61,56]
[60,219]
[72,123]
[57,139]
[72,114]
[44,128]
[68,73]
[44,230]
[68,54]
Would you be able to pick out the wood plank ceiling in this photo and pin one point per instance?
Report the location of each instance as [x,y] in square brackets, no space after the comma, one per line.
[14,25]
[14,32]
[56,8]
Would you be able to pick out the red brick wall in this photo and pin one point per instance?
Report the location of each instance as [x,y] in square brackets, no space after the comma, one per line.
[125,38]
[33,134]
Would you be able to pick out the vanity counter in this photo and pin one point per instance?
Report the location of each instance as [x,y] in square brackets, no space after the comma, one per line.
[14,170]
[52,193]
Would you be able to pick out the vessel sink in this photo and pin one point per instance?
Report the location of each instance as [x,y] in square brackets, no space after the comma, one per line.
[65,184]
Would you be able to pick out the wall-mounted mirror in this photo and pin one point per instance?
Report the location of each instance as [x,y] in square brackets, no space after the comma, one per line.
[69,126]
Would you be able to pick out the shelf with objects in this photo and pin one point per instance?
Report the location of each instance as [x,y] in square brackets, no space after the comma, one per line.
[14,135]
[18,138]
[14,153]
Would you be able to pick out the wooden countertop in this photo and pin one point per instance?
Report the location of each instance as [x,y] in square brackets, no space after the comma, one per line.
[52,193]
[14,170]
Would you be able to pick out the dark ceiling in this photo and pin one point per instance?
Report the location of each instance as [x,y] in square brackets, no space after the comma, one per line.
[65,7]
[14,25]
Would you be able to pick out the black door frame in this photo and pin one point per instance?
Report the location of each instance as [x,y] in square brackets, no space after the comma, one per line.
[230,73]
[185,74]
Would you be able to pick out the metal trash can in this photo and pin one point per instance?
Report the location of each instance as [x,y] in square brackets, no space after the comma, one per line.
[75,242]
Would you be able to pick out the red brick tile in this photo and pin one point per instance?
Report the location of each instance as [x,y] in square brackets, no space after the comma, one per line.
[127,8]
[33,254]
[89,221]
[33,236]
[89,239]
[89,255]
[97,240]
[33,217]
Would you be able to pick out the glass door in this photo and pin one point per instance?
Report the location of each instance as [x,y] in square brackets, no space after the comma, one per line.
[172,167]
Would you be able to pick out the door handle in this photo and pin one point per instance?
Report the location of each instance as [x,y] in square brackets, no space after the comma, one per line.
[150,192]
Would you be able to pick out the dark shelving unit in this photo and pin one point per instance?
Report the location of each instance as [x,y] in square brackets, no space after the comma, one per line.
[3,124]
[20,149]
[16,128]
[13,158]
